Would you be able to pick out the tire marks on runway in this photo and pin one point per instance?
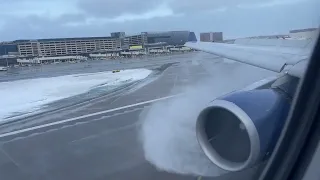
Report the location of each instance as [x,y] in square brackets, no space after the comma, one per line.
[74,123]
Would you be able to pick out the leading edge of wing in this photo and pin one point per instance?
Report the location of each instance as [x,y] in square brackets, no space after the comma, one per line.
[271,59]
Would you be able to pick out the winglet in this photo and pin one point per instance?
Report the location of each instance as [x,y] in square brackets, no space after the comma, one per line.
[192,37]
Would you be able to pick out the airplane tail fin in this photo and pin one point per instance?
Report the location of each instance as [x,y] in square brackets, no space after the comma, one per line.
[192,37]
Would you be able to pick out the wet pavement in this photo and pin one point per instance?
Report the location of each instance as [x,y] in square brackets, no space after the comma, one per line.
[105,145]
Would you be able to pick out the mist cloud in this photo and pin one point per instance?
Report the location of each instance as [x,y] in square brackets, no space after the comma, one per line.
[168,127]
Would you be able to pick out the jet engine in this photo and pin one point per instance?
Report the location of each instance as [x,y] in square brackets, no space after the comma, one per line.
[240,129]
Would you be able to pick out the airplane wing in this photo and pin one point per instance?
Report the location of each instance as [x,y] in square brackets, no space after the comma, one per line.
[278,55]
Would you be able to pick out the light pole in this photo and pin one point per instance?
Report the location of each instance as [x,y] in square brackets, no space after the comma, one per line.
[5,53]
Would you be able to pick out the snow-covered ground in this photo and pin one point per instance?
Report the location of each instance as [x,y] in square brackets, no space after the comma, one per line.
[25,96]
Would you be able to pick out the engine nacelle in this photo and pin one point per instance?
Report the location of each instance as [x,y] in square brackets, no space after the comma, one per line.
[239,130]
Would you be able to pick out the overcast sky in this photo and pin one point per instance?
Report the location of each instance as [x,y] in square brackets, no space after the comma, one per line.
[30,19]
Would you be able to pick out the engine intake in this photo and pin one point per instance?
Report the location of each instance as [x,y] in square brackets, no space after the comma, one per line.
[241,129]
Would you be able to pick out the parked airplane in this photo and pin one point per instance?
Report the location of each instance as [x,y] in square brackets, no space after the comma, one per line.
[240,129]
[3,68]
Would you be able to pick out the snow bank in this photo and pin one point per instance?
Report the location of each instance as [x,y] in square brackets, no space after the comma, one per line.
[29,95]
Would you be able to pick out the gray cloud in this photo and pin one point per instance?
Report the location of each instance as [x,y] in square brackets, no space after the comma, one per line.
[110,8]
[190,6]
[234,22]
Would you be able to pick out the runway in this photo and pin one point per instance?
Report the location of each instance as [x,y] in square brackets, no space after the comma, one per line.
[98,140]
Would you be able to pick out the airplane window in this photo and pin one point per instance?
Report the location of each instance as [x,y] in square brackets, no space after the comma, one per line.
[148,89]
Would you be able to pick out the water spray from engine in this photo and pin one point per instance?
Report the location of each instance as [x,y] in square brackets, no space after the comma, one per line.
[168,133]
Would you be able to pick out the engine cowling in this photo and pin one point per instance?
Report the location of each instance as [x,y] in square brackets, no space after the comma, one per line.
[241,129]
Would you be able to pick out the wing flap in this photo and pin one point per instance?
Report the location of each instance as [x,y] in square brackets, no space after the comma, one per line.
[298,69]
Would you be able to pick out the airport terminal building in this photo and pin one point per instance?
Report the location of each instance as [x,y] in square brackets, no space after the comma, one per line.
[118,41]
[173,38]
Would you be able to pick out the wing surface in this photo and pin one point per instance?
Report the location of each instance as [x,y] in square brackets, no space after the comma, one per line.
[274,55]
